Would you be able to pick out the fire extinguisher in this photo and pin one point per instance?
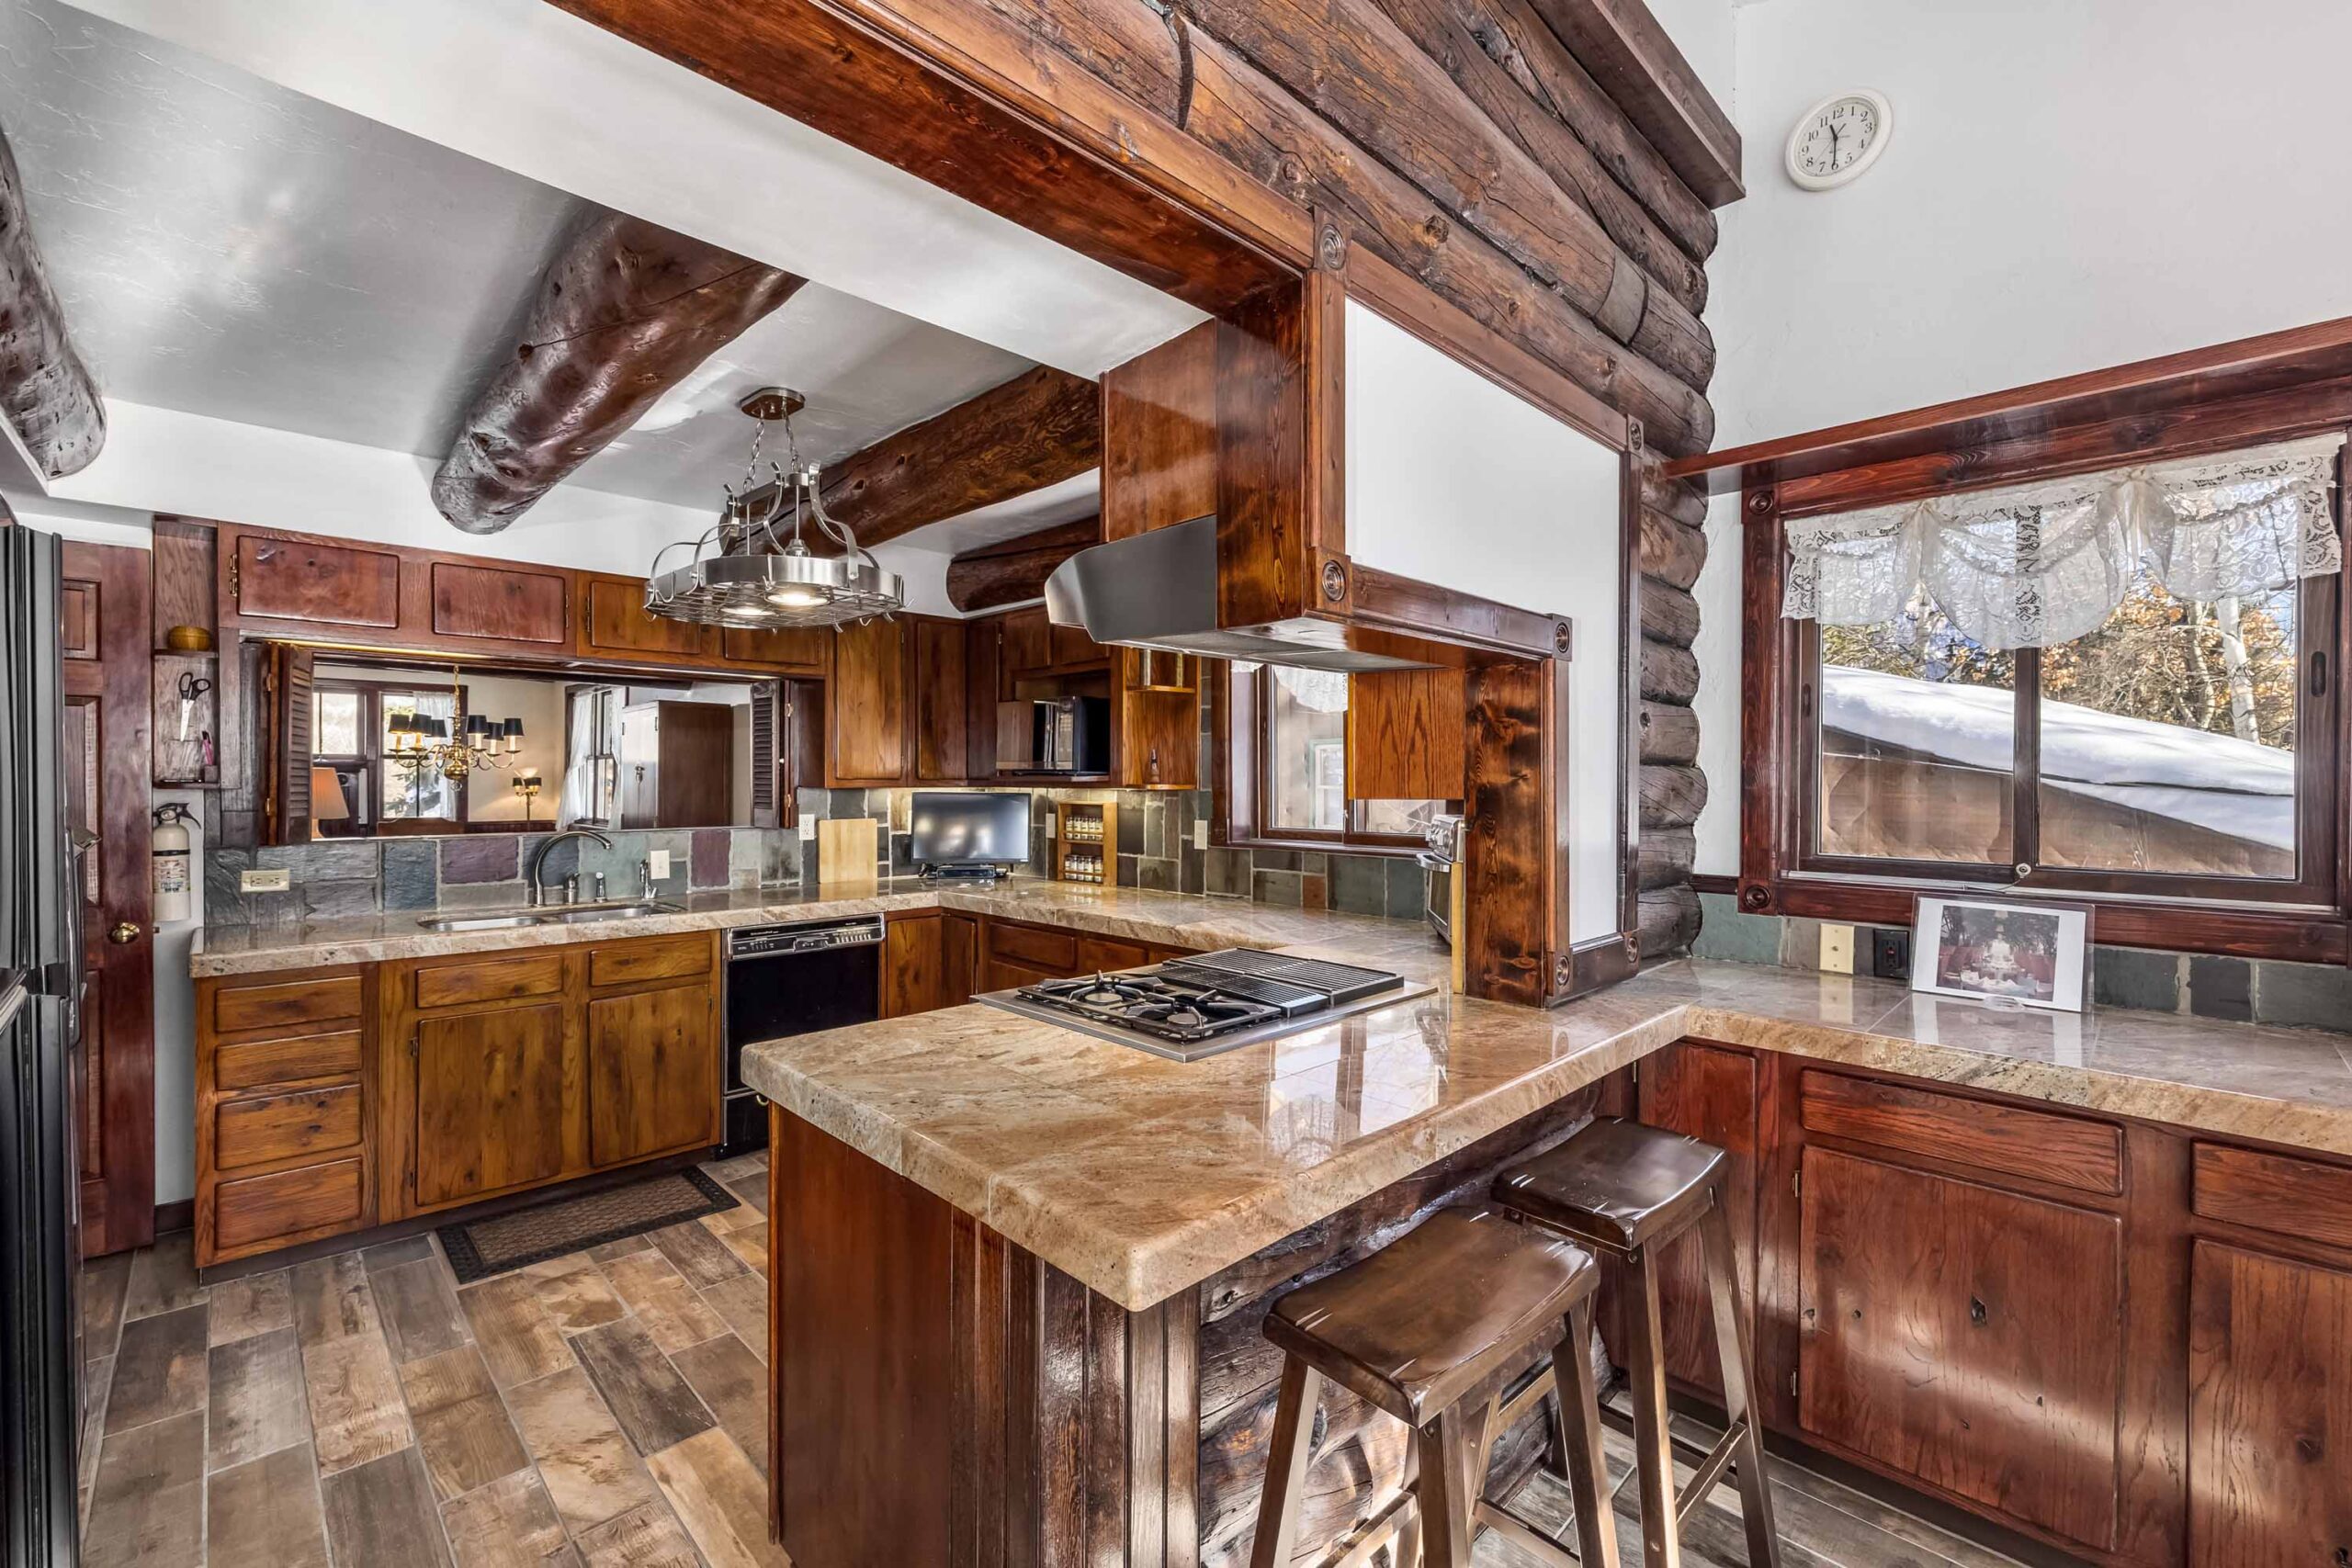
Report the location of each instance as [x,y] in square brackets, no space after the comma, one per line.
[173,864]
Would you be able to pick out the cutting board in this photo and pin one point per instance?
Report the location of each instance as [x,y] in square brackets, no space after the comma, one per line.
[848,849]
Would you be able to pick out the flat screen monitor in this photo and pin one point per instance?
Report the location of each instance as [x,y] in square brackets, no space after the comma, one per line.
[959,827]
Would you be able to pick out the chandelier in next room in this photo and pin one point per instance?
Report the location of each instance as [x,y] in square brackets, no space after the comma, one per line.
[421,744]
[746,572]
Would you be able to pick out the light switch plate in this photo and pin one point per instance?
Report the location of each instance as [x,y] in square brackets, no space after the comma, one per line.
[1836,949]
[659,860]
[1200,832]
[264,879]
[808,829]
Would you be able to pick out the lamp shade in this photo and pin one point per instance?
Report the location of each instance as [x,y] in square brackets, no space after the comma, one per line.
[328,802]
[510,727]
[477,724]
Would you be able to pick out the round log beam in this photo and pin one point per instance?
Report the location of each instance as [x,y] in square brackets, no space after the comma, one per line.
[45,389]
[1670,552]
[1040,428]
[1669,920]
[620,316]
[1669,734]
[1669,674]
[1669,614]
[1671,796]
[1015,572]
[1667,856]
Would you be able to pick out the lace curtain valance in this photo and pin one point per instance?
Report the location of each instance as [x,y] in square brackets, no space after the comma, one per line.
[2044,564]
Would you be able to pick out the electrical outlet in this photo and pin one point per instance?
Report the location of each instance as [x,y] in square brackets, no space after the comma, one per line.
[1200,833]
[807,829]
[1890,952]
[264,879]
[658,861]
[1836,949]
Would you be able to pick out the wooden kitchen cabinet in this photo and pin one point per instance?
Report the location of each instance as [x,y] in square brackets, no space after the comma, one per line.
[654,1068]
[1712,1095]
[494,1091]
[279,584]
[914,963]
[866,705]
[938,701]
[2270,1409]
[284,1097]
[615,623]
[1406,735]
[1964,1335]
[1158,733]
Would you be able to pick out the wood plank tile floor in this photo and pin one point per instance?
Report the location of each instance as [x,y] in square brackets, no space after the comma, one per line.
[604,1410]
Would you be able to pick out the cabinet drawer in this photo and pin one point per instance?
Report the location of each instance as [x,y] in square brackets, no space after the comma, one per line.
[2069,1151]
[1098,954]
[260,1061]
[255,1128]
[1057,951]
[260,1209]
[274,1006]
[2273,1192]
[490,980]
[661,958]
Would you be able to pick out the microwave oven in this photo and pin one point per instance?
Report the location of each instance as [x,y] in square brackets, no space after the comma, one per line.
[1060,734]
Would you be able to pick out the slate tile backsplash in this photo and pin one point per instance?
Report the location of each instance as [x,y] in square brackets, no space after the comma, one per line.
[1160,846]
[2215,986]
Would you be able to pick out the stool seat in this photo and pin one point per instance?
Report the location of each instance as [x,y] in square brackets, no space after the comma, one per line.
[1615,1184]
[1416,1327]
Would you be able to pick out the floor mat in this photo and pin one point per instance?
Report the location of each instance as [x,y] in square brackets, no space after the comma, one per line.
[479,1248]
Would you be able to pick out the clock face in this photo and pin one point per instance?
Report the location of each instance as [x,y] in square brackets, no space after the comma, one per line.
[1837,139]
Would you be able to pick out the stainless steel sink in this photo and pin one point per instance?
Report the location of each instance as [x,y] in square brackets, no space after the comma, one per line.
[608,912]
[564,915]
[477,922]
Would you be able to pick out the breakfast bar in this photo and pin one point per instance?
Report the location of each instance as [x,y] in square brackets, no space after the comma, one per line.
[1019,1273]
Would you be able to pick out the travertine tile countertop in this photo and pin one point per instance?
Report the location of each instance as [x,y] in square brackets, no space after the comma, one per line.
[1141,1176]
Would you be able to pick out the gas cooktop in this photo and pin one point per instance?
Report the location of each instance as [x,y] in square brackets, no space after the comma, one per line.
[1195,1007]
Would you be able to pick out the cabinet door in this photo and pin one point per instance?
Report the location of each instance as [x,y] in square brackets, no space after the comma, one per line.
[499,604]
[1404,734]
[914,965]
[789,648]
[492,1110]
[1028,643]
[305,580]
[866,706]
[1160,739]
[1709,1094]
[1072,645]
[2269,1410]
[939,702]
[1969,1337]
[652,1074]
[614,620]
[960,957]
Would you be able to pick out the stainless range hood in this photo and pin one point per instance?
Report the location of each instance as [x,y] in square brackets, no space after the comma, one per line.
[1159,590]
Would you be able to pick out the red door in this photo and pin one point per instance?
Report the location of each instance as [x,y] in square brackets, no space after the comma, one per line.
[107,661]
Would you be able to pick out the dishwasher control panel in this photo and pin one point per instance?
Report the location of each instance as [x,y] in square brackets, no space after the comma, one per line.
[759,941]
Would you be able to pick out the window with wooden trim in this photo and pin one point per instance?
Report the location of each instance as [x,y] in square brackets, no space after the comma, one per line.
[350,741]
[2155,727]
[1288,770]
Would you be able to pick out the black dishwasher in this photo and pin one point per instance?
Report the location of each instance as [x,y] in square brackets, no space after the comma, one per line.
[794,979]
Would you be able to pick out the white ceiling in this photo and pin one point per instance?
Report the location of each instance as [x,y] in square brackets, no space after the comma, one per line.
[227,247]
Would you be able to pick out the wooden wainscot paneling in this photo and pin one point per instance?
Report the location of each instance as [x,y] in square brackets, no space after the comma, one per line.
[2065,1150]
[500,603]
[2013,1302]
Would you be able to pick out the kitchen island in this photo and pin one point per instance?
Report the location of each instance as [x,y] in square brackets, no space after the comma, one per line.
[1018,1273]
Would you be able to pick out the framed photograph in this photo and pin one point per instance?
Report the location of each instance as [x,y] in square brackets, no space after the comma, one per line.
[2017,955]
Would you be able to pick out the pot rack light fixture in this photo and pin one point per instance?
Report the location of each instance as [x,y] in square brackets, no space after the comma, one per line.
[747,570]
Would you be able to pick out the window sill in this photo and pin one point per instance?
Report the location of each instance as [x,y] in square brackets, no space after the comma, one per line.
[2295,934]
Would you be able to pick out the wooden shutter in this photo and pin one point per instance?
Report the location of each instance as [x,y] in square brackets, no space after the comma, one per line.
[292,709]
[766,698]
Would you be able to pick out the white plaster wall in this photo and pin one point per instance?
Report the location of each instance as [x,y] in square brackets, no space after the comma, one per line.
[2071,185]
[1450,479]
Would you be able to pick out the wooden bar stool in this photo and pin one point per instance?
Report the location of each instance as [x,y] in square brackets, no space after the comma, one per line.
[1626,1191]
[1424,1329]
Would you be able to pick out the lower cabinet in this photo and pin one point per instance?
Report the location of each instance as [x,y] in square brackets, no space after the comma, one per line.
[942,958]
[513,1071]
[493,1088]
[1967,1337]
[1708,1094]
[2270,1409]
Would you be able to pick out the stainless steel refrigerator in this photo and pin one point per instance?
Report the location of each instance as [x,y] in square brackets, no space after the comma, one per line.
[41,986]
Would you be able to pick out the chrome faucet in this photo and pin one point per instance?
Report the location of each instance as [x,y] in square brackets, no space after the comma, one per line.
[538,857]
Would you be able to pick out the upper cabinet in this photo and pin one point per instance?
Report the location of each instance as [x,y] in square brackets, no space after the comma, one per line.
[898,711]
[1159,435]
[615,623]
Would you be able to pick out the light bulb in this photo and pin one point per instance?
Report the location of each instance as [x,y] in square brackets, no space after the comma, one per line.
[797,598]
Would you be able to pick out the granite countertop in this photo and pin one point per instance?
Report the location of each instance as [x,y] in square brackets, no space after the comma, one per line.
[1141,1176]
[1173,919]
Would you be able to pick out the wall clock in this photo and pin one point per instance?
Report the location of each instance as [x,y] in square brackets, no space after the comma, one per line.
[1834,142]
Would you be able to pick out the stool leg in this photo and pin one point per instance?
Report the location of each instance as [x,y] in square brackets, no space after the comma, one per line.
[1739,1389]
[1652,1451]
[1445,1509]
[1579,1434]
[1408,1550]
[1286,1458]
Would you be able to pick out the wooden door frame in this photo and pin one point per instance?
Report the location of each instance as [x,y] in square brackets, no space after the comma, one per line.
[118,1203]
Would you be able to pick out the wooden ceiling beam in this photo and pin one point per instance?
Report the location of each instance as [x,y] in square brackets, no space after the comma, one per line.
[1040,428]
[1015,571]
[622,314]
[46,392]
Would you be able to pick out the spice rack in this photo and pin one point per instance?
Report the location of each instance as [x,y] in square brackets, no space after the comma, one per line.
[1086,842]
